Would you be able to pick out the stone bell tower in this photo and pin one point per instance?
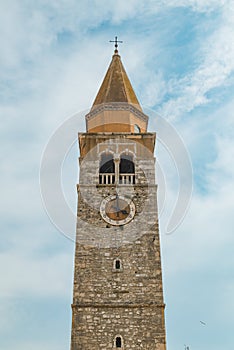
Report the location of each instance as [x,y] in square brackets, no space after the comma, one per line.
[118,295]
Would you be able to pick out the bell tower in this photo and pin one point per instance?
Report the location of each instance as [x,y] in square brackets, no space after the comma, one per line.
[118,295]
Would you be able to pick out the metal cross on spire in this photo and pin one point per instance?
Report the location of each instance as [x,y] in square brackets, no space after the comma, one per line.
[116,41]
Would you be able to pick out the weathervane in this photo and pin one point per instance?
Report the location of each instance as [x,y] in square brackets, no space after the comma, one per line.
[116,41]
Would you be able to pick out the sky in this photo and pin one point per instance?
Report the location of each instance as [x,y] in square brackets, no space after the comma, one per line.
[179,56]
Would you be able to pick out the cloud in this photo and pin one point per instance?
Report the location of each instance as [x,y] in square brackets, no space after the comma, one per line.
[216,67]
[202,245]
[196,5]
[197,258]
[26,275]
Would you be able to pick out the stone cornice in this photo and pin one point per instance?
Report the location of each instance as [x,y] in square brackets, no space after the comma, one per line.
[122,305]
[116,106]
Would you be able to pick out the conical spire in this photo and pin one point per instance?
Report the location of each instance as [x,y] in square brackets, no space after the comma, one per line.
[116,87]
[116,107]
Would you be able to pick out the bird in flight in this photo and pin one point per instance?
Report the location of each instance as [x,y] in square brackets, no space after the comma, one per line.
[204,324]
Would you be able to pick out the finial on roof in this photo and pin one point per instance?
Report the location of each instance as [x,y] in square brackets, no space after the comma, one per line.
[116,41]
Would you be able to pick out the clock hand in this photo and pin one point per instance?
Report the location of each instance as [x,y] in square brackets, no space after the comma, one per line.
[124,211]
[118,208]
[113,207]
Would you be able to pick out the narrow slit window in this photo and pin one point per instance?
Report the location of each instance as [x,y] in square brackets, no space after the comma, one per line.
[117,264]
[118,342]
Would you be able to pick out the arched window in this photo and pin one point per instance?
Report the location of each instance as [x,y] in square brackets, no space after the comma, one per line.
[126,169]
[107,164]
[118,342]
[107,169]
[126,164]
[137,129]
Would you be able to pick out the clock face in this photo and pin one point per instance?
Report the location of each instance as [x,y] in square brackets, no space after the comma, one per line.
[117,210]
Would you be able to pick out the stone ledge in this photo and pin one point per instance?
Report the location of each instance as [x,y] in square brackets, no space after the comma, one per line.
[129,305]
[116,106]
[114,186]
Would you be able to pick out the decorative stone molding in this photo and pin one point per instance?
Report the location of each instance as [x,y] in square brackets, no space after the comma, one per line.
[116,106]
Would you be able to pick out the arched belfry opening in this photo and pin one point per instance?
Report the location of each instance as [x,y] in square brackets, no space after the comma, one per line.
[126,169]
[107,169]
[126,165]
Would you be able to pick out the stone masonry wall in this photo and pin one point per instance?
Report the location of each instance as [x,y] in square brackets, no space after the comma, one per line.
[126,302]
